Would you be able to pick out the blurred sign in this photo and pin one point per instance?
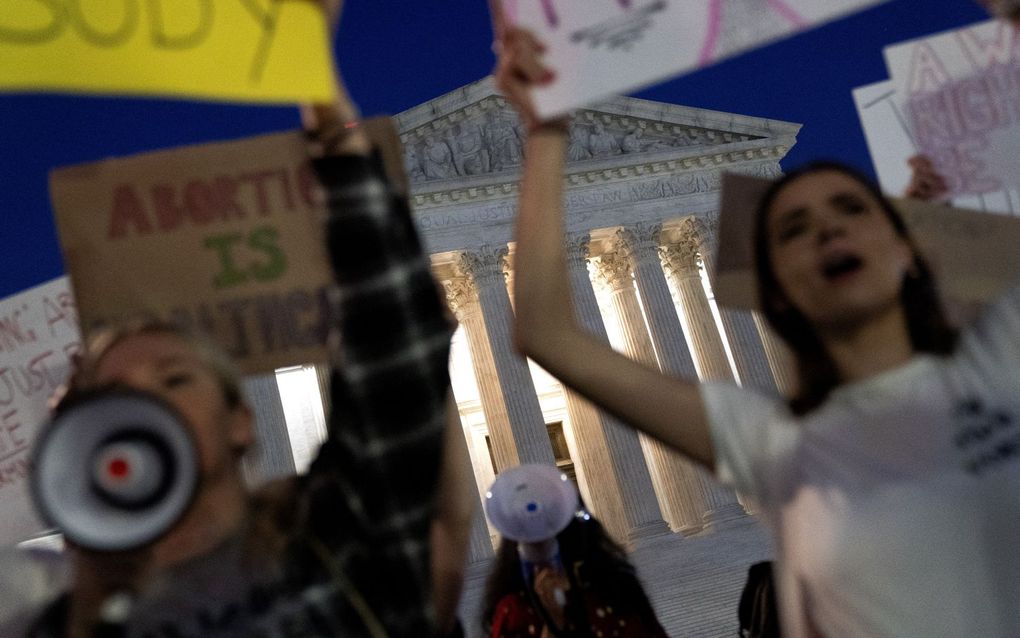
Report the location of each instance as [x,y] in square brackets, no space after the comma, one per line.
[244,50]
[38,336]
[960,91]
[224,237]
[604,47]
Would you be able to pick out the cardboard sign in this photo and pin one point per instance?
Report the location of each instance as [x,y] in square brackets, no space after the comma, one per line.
[222,237]
[603,47]
[244,50]
[38,336]
[972,254]
[961,93]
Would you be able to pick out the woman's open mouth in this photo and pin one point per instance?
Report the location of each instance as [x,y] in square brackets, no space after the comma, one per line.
[841,267]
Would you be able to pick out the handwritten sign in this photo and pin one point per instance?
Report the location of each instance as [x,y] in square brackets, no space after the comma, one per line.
[960,90]
[225,238]
[891,144]
[973,254]
[38,335]
[244,50]
[603,47]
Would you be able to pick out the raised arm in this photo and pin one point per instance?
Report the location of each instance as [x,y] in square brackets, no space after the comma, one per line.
[546,328]
[370,492]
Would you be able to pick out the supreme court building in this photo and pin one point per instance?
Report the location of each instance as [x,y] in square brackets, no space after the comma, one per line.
[642,203]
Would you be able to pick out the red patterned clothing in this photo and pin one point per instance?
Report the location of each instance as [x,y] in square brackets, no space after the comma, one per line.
[515,617]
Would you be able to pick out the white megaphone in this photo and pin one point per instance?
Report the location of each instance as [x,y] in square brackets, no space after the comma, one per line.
[531,504]
[114,470]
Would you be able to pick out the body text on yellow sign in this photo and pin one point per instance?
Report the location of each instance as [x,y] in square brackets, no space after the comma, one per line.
[244,50]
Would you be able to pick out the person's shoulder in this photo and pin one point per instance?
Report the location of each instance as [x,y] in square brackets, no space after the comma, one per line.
[274,513]
[728,398]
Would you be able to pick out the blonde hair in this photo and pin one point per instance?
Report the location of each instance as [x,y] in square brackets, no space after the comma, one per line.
[86,362]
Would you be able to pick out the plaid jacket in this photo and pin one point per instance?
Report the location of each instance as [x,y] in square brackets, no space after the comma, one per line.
[354,555]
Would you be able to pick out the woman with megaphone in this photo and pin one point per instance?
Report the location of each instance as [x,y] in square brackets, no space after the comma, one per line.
[557,572]
[342,550]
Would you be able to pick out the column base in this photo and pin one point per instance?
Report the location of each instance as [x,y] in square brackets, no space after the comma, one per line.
[648,534]
[729,515]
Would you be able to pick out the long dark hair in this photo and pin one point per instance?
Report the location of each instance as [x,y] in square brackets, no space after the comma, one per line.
[594,563]
[927,325]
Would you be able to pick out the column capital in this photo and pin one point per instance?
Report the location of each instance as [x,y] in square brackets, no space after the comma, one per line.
[642,234]
[577,246]
[462,293]
[506,265]
[700,230]
[613,270]
[680,259]
[484,265]
[640,241]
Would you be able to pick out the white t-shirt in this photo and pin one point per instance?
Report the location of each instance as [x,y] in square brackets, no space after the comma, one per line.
[896,505]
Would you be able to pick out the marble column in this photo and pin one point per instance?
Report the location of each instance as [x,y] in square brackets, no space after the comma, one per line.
[746,347]
[779,355]
[509,401]
[272,457]
[479,541]
[682,266]
[682,487]
[611,464]
[680,262]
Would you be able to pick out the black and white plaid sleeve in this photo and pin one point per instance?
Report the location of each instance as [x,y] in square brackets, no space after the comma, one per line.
[371,489]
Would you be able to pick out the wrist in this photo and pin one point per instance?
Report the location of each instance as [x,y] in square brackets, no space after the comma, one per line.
[558,127]
[334,129]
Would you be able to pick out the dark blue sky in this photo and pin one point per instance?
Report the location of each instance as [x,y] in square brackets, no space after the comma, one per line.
[398,53]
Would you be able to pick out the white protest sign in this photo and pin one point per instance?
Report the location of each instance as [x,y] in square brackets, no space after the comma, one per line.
[887,134]
[960,91]
[603,47]
[891,144]
[38,335]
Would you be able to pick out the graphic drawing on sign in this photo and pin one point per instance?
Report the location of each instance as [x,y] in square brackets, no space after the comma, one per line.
[735,24]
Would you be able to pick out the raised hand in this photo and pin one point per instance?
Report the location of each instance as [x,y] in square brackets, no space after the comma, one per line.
[519,70]
[925,184]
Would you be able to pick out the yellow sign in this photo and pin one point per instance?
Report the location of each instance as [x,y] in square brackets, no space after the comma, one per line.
[239,50]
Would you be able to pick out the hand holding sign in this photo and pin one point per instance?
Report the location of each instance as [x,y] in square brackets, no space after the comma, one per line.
[926,183]
[602,47]
[1008,9]
[519,70]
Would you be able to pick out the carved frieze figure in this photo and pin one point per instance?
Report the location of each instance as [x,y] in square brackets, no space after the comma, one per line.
[412,164]
[504,144]
[578,149]
[632,142]
[602,143]
[469,150]
[438,161]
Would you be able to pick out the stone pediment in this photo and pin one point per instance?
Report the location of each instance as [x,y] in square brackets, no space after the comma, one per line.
[471,139]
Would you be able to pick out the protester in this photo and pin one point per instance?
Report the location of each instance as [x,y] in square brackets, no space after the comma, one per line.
[590,589]
[892,478]
[344,549]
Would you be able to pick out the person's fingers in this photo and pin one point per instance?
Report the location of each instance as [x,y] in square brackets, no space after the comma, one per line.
[516,88]
[926,182]
[332,10]
[526,61]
